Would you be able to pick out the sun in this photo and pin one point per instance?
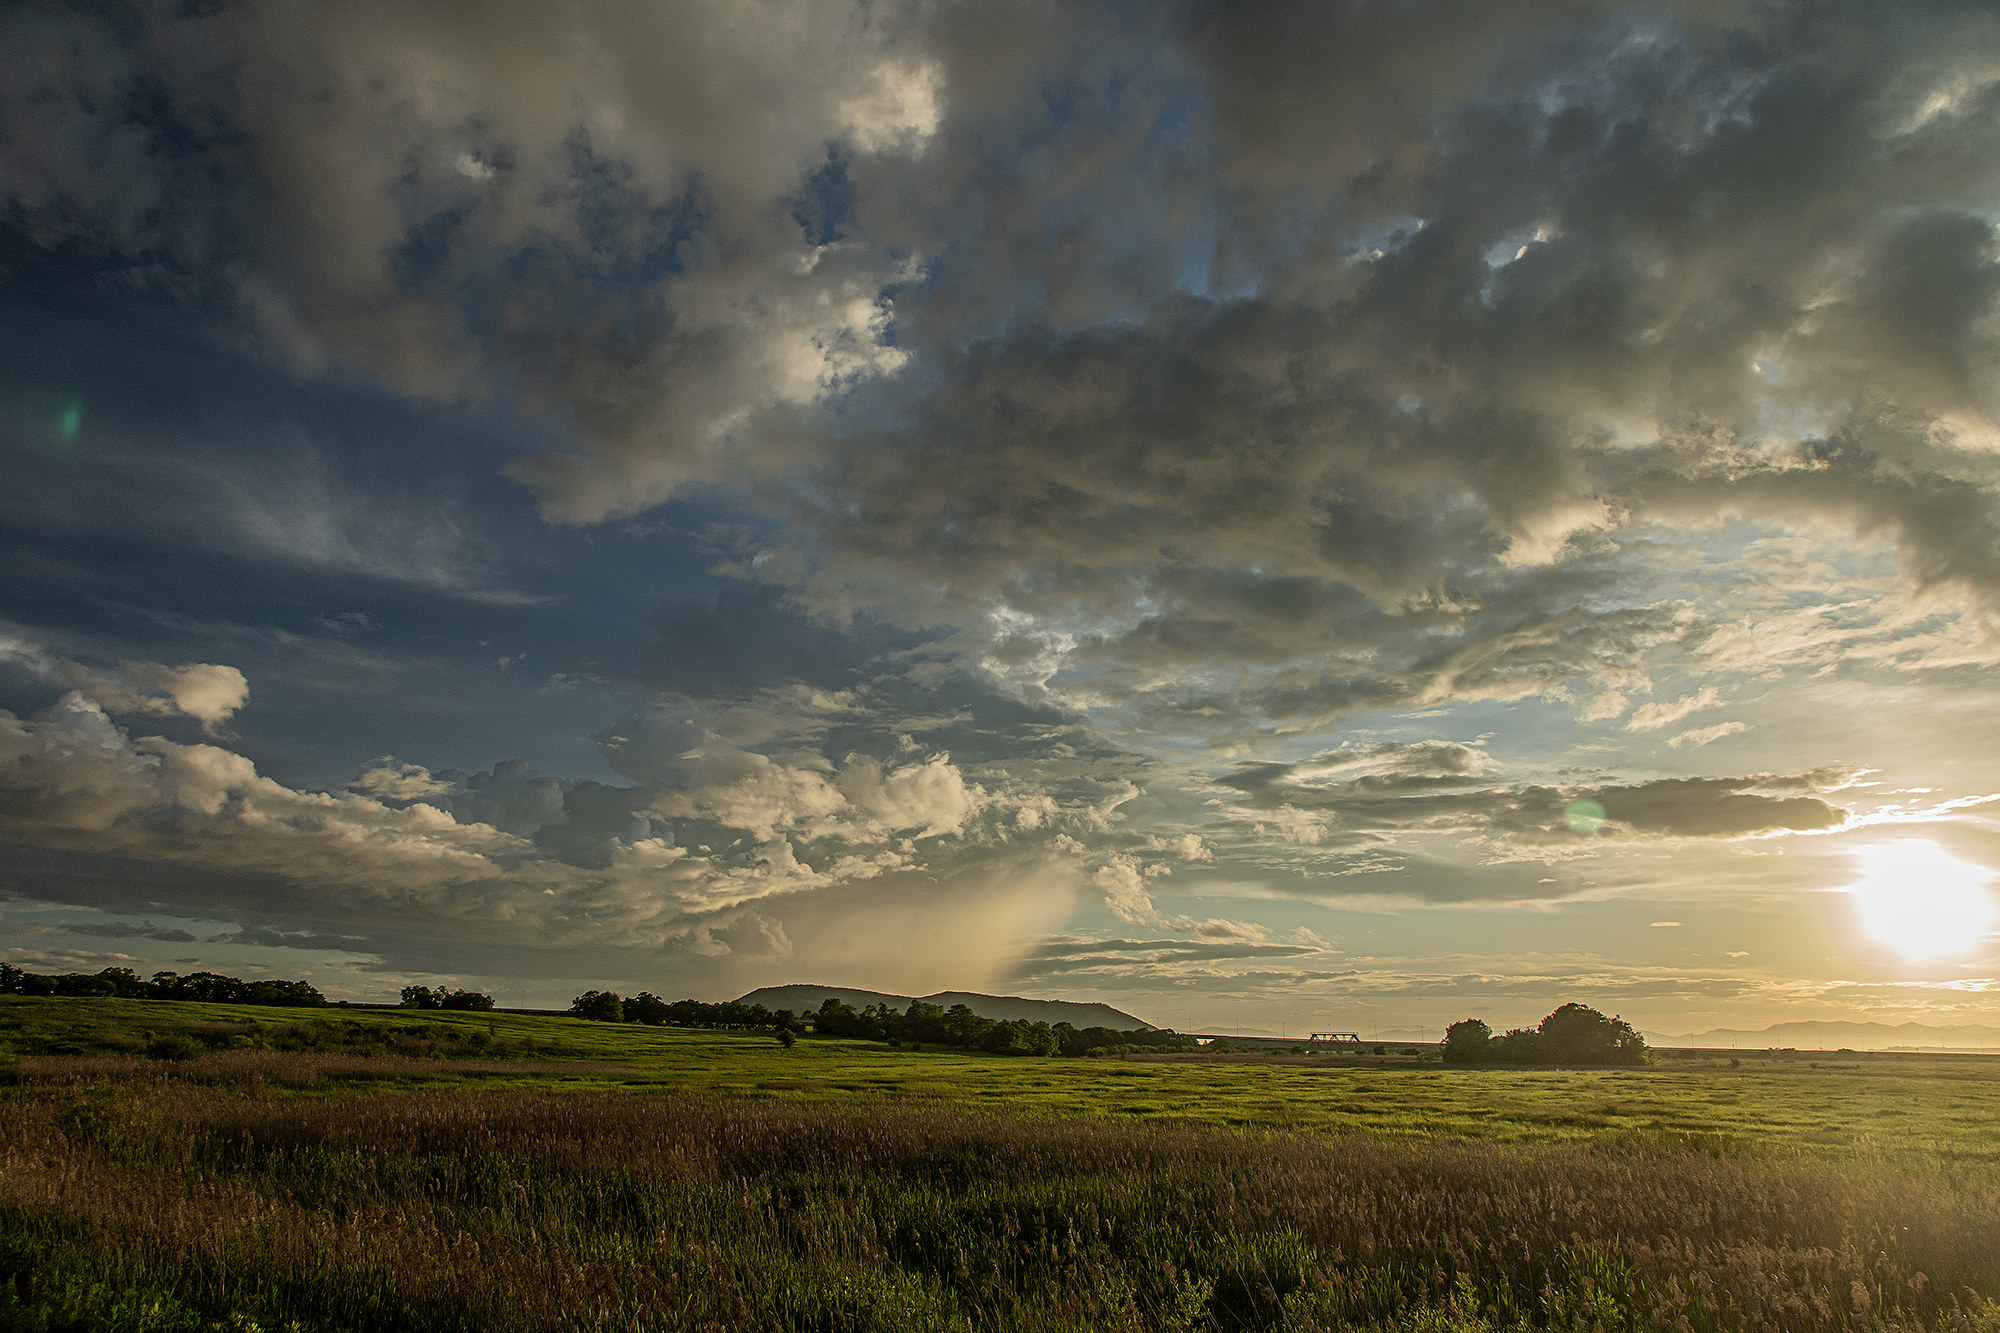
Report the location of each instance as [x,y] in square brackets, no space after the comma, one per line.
[1921,900]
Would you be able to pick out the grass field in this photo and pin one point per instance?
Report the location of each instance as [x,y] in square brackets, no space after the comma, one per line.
[1949,1105]
[355,1169]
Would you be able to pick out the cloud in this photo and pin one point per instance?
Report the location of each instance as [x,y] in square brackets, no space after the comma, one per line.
[1124,889]
[1396,788]
[1097,406]
[69,960]
[1712,807]
[405,860]
[348,622]
[1651,717]
[125,930]
[1073,959]
[273,939]
[1219,928]
[74,779]
[511,796]
[1701,736]
[1381,766]
[209,693]
[1603,706]
[1369,416]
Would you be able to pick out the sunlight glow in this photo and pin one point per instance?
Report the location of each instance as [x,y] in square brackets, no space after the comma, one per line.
[1922,901]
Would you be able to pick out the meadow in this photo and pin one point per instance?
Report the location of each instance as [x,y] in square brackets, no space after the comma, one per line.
[179,1166]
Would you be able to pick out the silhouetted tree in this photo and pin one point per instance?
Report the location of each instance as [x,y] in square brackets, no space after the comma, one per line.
[124,983]
[602,1005]
[646,1007]
[1577,1034]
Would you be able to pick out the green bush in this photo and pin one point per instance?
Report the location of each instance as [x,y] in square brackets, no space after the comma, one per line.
[176,1046]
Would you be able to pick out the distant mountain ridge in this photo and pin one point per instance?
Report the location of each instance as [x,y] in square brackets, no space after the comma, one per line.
[1008,1008]
[1838,1033]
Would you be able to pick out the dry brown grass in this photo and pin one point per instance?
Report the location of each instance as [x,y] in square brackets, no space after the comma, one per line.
[503,1210]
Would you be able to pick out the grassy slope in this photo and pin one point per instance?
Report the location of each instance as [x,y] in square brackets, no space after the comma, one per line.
[1937,1105]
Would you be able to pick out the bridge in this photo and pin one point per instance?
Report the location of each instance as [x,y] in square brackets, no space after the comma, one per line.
[1345,1039]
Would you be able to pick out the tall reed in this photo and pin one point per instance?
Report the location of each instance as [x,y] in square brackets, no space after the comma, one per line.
[531,1210]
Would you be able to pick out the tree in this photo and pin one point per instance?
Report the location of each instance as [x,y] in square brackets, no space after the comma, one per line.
[963,1028]
[206,987]
[646,1007]
[291,994]
[924,1022]
[1521,1046]
[14,981]
[419,997]
[837,1018]
[1468,1042]
[470,1000]
[1576,1034]
[601,1005]
[126,980]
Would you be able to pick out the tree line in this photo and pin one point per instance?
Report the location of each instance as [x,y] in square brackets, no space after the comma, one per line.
[1574,1034]
[609,1007]
[423,997]
[959,1026]
[918,1025]
[125,984]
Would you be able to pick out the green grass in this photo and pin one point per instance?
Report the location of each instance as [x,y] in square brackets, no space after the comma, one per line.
[1944,1105]
[364,1169]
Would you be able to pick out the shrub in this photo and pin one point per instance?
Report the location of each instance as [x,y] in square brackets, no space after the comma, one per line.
[176,1046]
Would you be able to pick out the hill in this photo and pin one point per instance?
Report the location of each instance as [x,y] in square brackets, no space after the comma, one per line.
[805,999]
[1835,1035]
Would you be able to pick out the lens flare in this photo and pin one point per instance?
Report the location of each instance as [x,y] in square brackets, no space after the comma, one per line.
[70,422]
[1921,900]
[1585,816]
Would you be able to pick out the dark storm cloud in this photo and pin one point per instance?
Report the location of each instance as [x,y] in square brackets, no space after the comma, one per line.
[1712,807]
[1440,786]
[117,930]
[275,939]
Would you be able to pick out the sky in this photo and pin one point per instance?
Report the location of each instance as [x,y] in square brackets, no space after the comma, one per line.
[1349,514]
